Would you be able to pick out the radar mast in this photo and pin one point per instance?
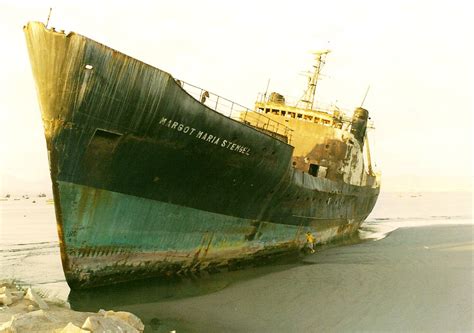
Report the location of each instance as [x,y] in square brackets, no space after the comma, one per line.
[308,97]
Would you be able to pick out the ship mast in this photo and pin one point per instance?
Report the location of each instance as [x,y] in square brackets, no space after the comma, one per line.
[308,98]
[369,159]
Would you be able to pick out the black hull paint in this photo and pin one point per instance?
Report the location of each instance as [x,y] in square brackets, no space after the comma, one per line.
[115,124]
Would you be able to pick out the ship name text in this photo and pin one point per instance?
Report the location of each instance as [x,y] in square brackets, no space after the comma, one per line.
[202,135]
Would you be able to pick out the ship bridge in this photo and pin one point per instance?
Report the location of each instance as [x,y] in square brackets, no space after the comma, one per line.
[275,108]
[334,119]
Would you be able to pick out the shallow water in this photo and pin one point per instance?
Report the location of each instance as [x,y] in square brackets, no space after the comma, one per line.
[416,276]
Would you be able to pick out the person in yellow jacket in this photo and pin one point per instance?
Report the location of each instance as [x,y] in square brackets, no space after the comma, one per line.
[310,240]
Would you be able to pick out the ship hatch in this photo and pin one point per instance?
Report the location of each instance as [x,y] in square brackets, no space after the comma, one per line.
[105,139]
[102,143]
[99,155]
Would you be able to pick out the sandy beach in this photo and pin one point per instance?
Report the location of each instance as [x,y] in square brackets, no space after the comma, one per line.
[412,272]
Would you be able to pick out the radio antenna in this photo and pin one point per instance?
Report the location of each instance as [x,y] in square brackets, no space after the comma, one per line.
[266,90]
[49,15]
[366,92]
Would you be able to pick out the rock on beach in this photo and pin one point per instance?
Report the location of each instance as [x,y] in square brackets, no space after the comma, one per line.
[26,311]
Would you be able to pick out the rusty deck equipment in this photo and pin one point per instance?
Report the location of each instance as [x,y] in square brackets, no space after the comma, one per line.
[155,177]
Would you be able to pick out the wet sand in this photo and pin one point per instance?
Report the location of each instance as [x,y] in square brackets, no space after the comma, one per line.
[416,279]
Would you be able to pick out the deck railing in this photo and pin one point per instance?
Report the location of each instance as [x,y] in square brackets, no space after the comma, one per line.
[238,112]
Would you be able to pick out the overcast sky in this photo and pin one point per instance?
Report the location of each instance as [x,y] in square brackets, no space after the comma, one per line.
[415,55]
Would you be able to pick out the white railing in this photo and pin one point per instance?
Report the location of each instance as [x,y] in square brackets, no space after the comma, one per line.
[238,112]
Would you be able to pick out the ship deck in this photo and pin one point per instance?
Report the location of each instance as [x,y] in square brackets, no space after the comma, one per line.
[238,112]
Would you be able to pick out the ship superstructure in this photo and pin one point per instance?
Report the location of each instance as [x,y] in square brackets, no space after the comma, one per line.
[327,142]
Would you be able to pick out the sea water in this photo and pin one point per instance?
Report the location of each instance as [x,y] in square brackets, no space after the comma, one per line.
[411,270]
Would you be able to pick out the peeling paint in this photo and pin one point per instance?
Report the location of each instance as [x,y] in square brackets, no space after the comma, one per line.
[137,199]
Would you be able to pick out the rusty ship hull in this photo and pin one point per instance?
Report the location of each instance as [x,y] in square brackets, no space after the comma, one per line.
[148,181]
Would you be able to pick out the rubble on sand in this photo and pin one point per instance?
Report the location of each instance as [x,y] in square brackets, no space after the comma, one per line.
[26,311]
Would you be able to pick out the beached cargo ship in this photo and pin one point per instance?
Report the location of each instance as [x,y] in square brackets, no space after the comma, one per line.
[155,177]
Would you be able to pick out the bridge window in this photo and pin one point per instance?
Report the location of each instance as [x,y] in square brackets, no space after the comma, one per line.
[313,170]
